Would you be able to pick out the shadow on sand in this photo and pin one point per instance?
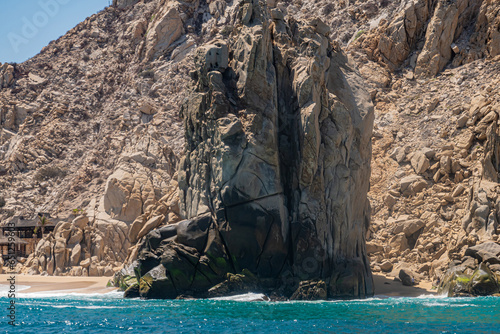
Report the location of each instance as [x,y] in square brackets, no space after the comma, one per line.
[387,286]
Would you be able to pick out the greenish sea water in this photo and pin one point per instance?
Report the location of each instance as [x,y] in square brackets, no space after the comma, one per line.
[110,313]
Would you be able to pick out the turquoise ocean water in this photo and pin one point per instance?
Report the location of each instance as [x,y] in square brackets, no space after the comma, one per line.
[110,313]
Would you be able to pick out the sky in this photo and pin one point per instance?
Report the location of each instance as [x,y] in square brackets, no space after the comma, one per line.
[26,26]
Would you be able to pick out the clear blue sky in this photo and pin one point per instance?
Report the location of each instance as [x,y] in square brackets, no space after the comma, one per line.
[26,26]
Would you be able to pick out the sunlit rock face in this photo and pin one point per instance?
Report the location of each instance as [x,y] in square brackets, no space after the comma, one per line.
[276,172]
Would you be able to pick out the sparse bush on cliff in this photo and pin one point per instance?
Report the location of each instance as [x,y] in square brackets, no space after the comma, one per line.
[49,172]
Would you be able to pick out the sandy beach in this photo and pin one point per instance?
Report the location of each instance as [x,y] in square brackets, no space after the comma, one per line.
[66,284]
[384,285]
[387,286]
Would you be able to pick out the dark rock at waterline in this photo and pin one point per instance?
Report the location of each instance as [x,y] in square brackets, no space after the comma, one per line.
[124,278]
[481,283]
[157,284]
[132,291]
[455,284]
[310,290]
[235,284]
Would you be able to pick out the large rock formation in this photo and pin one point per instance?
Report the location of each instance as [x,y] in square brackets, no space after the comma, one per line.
[277,164]
[399,37]
[427,35]
[445,26]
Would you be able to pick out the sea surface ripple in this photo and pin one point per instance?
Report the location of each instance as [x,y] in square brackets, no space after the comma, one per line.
[110,313]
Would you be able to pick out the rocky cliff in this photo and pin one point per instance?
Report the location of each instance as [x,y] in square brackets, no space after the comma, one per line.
[90,135]
[273,177]
[150,113]
[433,66]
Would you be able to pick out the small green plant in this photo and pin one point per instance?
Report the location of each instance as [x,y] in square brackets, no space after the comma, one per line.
[463,280]
[153,17]
[49,172]
[42,221]
[79,212]
[359,33]
[147,73]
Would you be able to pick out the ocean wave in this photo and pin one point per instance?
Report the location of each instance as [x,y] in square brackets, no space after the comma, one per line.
[441,296]
[91,307]
[71,295]
[247,297]
[433,304]
[5,288]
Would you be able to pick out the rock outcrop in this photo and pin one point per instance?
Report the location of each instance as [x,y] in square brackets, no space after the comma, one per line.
[6,75]
[276,170]
[399,37]
[482,282]
[445,26]
[124,3]
[432,70]
[166,28]
[427,35]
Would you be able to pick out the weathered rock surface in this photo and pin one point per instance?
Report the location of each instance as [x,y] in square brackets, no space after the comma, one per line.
[436,135]
[310,290]
[6,75]
[408,277]
[276,170]
[482,282]
[106,153]
[124,3]
[448,21]
[167,27]
[428,35]
[399,37]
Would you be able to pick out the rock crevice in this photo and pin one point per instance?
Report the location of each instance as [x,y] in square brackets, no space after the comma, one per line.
[277,164]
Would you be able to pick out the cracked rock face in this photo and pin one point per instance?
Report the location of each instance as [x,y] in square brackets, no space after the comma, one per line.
[277,166]
[428,35]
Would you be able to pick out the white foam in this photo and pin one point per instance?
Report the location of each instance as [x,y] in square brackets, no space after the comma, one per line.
[4,289]
[433,296]
[247,297]
[406,297]
[99,307]
[64,294]
[92,307]
[446,304]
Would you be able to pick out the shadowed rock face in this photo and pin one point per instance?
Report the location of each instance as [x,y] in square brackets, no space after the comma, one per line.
[277,167]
